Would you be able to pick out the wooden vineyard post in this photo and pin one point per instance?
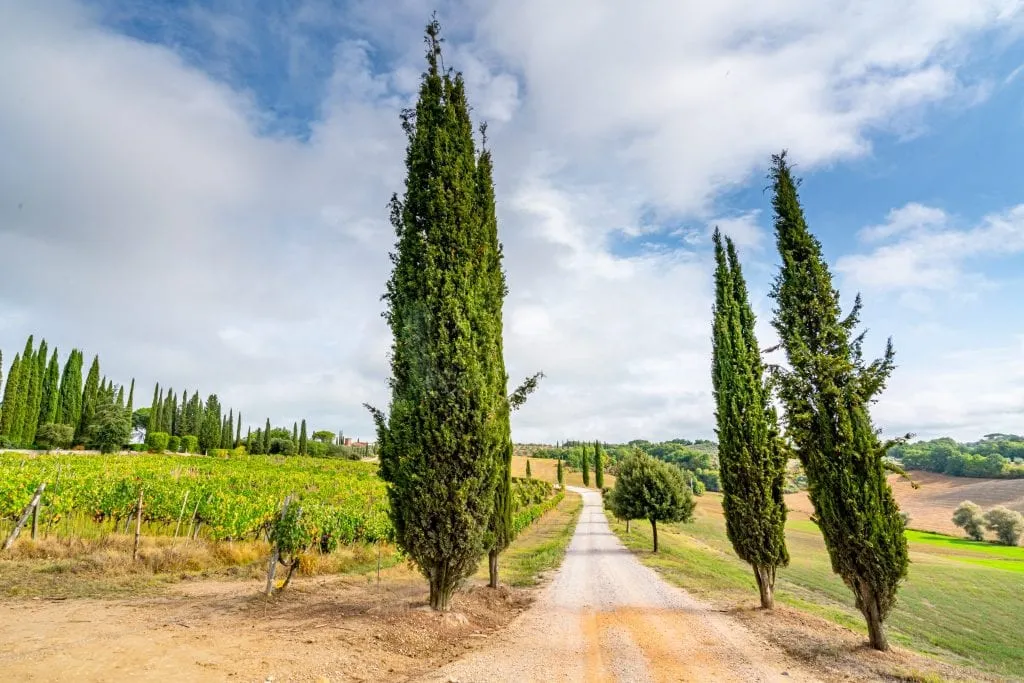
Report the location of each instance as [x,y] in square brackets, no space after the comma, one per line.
[181,514]
[35,519]
[272,567]
[138,528]
[195,513]
[24,516]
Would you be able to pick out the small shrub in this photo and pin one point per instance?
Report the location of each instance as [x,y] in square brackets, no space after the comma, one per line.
[157,441]
[52,435]
[190,444]
[174,444]
[218,452]
[279,446]
[1008,524]
[137,447]
[968,517]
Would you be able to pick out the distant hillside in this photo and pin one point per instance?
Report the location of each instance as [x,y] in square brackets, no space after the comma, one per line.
[931,506]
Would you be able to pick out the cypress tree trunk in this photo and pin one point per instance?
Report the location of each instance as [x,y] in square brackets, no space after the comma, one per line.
[654,532]
[868,604]
[765,577]
[492,566]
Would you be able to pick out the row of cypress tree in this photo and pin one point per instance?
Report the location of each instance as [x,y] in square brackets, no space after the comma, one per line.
[825,392]
[39,395]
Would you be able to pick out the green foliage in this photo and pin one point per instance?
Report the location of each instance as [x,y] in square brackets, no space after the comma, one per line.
[210,428]
[174,444]
[158,441]
[968,517]
[585,466]
[598,465]
[303,440]
[33,399]
[1008,524]
[110,427]
[323,436]
[189,444]
[826,394]
[12,396]
[89,398]
[71,390]
[52,435]
[649,489]
[140,419]
[442,444]
[995,456]
[279,446]
[752,461]
[561,475]
[529,474]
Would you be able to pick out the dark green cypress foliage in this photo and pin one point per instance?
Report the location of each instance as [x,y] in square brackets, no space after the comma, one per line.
[155,409]
[248,440]
[167,412]
[265,446]
[89,395]
[130,409]
[826,393]
[26,378]
[585,465]
[238,431]
[180,410]
[303,440]
[120,397]
[441,444]
[210,430]
[529,472]
[1,382]
[35,395]
[752,460]
[229,430]
[71,390]
[12,392]
[295,432]
[561,474]
[598,466]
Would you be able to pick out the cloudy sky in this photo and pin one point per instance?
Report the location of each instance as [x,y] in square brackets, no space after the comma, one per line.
[197,192]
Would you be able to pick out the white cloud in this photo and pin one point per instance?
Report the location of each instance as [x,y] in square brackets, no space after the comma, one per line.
[157,224]
[743,229]
[928,254]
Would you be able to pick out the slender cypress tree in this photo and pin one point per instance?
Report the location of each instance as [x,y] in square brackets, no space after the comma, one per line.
[130,409]
[89,396]
[154,411]
[238,431]
[295,432]
[248,440]
[34,399]
[25,384]
[12,392]
[167,412]
[303,440]
[71,390]
[752,461]
[441,445]
[598,466]
[1,382]
[210,430]
[266,437]
[826,394]
[561,474]
[585,464]
[229,430]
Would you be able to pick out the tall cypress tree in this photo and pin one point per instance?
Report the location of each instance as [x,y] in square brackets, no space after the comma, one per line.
[826,394]
[752,461]
[266,438]
[1,382]
[210,430]
[167,412]
[130,409]
[238,431]
[35,395]
[585,464]
[26,379]
[598,466]
[12,392]
[49,400]
[70,410]
[89,397]
[303,440]
[441,445]
[295,432]
[229,430]
[154,410]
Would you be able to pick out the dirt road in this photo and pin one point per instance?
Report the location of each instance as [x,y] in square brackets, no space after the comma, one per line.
[606,617]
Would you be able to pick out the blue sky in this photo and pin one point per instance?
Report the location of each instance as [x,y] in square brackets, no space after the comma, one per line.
[204,184]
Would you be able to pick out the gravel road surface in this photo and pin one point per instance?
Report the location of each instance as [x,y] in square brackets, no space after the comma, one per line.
[607,617]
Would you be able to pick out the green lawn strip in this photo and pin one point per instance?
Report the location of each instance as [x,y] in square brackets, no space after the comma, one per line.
[952,606]
[540,547]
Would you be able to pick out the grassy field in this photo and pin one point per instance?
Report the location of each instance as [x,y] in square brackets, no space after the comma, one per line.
[962,601]
[541,547]
[547,470]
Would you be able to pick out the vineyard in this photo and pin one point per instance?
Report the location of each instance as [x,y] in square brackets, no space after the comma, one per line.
[334,502]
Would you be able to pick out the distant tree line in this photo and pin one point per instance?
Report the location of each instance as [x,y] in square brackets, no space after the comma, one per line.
[995,455]
[44,406]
